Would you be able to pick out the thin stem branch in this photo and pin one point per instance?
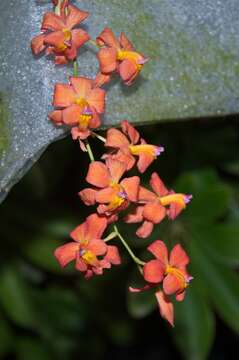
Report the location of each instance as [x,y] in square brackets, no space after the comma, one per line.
[111,236]
[91,156]
[101,138]
[75,68]
[135,258]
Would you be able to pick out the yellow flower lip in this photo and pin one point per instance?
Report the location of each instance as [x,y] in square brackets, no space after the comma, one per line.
[147,149]
[88,256]
[178,198]
[81,102]
[179,275]
[67,34]
[134,56]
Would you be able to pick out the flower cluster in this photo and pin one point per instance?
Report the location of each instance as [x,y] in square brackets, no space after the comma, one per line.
[115,194]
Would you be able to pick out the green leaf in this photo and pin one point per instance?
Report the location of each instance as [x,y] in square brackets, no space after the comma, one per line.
[221,282]
[210,196]
[32,349]
[222,242]
[15,297]
[40,251]
[194,325]
[141,304]
[6,337]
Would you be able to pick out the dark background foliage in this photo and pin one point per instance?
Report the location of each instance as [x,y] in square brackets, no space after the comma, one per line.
[47,313]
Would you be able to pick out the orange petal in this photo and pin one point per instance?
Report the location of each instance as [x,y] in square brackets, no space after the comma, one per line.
[95,121]
[107,59]
[88,196]
[128,71]
[178,257]
[98,247]
[55,38]
[98,175]
[157,185]
[64,95]
[37,44]
[135,216]
[56,116]
[129,130]
[71,52]
[79,233]
[144,161]
[66,253]
[60,60]
[125,43]
[101,79]
[154,212]
[145,229]
[96,98]
[96,225]
[180,296]
[115,138]
[105,196]
[175,209]
[52,22]
[171,284]
[113,255]
[79,37]
[75,16]
[160,251]
[107,37]
[81,265]
[124,156]
[81,85]
[116,169]
[131,187]
[154,271]
[145,195]
[165,307]
[71,115]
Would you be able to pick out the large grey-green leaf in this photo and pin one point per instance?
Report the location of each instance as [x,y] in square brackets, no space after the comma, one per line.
[221,282]
[193,69]
[194,329]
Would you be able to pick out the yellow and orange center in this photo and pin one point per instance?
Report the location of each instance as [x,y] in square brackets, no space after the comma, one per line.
[130,55]
[67,37]
[88,256]
[173,198]
[178,274]
[119,197]
[85,117]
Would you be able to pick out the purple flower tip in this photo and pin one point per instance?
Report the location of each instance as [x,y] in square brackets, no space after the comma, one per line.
[122,194]
[188,198]
[159,150]
[87,111]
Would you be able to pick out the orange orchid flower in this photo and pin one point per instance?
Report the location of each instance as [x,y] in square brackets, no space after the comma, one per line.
[112,194]
[154,206]
[59,35]
[129,144]
[171,272]
[119,55]
[78,105]
[87,247]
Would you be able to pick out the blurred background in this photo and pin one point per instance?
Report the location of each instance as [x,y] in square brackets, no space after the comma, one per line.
[47,313]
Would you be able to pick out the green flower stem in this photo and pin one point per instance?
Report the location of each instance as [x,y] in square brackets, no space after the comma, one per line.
[101,138]
[75,68]
[135,258]
[58,8]
[111,236]
[90,153]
